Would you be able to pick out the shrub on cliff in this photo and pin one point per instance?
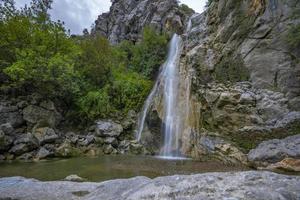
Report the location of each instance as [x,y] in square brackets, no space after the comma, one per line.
[149,54]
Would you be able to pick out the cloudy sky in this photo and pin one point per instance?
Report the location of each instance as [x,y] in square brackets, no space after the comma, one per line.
[80,14]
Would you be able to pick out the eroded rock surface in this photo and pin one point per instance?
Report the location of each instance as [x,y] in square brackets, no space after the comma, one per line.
[127,19]
[240,185]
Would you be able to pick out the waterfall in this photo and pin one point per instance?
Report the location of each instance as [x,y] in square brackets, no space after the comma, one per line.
[172,118]
[169,83]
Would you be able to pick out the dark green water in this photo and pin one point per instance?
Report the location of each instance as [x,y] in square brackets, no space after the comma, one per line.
[109,167]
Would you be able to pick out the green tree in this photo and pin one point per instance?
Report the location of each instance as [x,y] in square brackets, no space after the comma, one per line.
[96,60]
[36,51]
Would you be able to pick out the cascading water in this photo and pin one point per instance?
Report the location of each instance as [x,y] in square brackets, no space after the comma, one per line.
[171,85]
[169,78]
[172,93]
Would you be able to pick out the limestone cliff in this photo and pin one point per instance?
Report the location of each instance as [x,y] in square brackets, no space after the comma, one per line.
[241,78]
[127,18]
[245,77]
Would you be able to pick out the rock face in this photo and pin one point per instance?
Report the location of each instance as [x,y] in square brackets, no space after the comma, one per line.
[211,186]
[273,151]
[127,19]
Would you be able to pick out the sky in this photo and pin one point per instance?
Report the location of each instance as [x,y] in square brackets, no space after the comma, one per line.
[80,14]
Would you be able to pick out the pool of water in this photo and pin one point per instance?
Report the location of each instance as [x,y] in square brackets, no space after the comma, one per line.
[110,167]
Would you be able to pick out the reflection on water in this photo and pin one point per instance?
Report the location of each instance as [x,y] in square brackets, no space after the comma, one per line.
[110,167]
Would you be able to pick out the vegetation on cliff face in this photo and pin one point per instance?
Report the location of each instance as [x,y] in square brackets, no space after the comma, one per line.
[94,78]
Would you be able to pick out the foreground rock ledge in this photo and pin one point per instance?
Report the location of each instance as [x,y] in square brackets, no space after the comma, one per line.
[230,186]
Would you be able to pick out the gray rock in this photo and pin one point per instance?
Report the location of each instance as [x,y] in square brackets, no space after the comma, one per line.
[239,185]
[108,129]
[5,142]
[109,149]
[45,135]
[20,149]
[86,140]
[74,178]
[34,114]
[23,144]
[273,151]
[43,153]
[25,156]
[10,114]
[7,128]
[292,118]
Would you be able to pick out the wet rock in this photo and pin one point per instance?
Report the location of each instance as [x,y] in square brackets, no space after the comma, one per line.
[66,150]
[273,151]
[74,178]
[2,157]
[252,185]
[109,149]
[45,135]
[136,148]
[25,157]
[108,129]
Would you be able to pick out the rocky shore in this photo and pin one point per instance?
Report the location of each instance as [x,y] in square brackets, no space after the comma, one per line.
[252,185]
[30,130]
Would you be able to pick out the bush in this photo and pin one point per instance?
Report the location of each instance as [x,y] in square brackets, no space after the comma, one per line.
[95,104]
[129,91]
[149,54]
[95,61]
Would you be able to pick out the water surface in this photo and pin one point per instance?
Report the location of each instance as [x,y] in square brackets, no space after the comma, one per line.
[110,167]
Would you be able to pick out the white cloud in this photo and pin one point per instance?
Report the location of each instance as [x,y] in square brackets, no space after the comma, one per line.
[80,14]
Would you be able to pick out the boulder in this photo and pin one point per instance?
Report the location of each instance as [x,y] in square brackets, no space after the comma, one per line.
[86,141]
[66,150]
[111,140]
[35,114]
[7,128]
[43,153]
[5,142]
[45,135]
[25,156]
[276,150]
[23,144]
[108,129]
[74,178]
[10,114]
[109,149]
